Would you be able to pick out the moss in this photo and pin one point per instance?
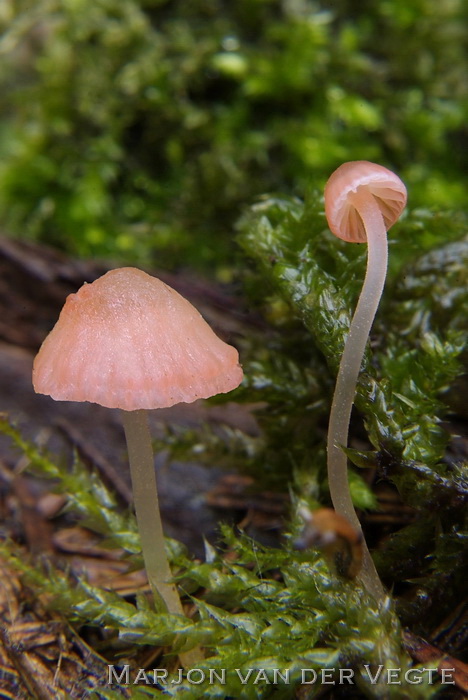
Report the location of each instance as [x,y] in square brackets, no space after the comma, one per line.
[138,129]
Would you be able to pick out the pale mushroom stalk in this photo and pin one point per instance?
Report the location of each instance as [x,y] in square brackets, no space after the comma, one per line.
[362,201]
[345,389]
[146,502]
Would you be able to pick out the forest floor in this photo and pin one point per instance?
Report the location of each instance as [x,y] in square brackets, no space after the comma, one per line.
[35,644]
[34,282]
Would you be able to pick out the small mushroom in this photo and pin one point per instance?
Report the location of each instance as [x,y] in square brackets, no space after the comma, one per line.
[325,529]
[362,201]
[129,341]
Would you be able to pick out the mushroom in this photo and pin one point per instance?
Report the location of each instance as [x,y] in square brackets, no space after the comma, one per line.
[129,341]
[325,529]
[362,201]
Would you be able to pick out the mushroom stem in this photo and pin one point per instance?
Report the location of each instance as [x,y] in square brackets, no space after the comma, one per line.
[348,372]
[146,502]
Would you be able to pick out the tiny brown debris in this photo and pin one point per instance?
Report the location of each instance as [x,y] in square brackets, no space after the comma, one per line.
[41,657]
[422,651]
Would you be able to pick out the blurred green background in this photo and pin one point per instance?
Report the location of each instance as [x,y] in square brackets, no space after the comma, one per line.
[139,130]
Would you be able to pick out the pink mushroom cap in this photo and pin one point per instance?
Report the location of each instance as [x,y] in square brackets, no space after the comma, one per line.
[342,214]
[130,341]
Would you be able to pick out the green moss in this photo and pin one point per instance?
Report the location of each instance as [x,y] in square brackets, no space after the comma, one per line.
[138,129]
